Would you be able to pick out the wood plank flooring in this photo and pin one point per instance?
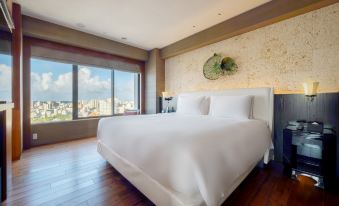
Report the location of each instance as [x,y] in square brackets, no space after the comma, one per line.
[73,173]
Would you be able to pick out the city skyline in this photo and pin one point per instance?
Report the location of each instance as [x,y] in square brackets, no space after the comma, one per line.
[53,81]
[47,111]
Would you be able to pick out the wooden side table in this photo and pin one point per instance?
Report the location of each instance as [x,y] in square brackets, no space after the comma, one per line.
[310,153]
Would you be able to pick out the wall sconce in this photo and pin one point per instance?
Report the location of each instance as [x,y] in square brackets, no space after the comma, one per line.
[310,89]
[167,98]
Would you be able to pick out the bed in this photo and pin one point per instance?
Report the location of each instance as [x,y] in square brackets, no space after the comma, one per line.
[183,159]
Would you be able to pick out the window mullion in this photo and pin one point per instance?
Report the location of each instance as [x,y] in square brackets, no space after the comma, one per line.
[112,88]
[137,90]
[75,95]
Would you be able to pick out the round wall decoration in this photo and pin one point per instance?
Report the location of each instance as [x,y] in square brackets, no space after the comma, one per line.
[212,67]
[228,66]
[216,66]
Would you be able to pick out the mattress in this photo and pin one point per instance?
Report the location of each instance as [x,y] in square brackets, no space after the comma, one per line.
[183,159]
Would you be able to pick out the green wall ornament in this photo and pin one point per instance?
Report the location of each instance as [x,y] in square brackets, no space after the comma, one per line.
[217,66]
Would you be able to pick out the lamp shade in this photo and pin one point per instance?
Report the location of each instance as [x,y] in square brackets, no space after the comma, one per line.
[165,94]
[310,88]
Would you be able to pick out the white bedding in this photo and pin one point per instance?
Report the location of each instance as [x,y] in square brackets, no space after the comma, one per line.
[197,158]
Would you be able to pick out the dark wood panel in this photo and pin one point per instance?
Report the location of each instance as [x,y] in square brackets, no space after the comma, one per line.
[269,13]
[73,173]
[5,148]
[16,83]
[287,107]
[26,95]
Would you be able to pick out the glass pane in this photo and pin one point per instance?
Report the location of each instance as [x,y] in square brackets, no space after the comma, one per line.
[5,77]
[5,67]
[95,92]
[51,91]
[126,95]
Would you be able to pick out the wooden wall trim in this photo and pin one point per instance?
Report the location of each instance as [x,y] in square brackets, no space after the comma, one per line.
[74,49]
[16,84]
[266,14]
[45,30]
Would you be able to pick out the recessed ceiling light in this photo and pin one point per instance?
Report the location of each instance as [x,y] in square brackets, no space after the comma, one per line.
[123,38]
[80,25]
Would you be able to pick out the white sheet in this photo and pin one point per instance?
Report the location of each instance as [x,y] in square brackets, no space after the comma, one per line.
[198,157]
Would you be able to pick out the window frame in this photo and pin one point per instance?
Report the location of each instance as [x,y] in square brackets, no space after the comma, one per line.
[10,94]
[6,39]
[28,49]
[30,89]
[75,92]
[138,91]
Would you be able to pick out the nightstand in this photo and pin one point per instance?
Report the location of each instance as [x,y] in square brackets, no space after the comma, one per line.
[310,151]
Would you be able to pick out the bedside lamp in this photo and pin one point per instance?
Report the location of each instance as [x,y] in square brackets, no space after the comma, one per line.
[310,89]
[167,98]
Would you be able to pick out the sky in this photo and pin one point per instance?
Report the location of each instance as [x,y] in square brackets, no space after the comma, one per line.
[52,81]
[5,77]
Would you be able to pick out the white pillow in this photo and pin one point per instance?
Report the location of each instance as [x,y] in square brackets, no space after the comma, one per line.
[231,106]
[196,105]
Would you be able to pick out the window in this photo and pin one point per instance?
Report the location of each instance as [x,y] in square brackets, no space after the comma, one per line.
[5,67]
[94,92]
[51,91]
[5,77]
[61,91]
[126,91]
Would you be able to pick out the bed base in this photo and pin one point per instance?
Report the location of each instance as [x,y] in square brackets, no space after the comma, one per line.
[154,191]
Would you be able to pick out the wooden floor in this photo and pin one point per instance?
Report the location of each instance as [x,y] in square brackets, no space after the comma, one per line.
[73,173]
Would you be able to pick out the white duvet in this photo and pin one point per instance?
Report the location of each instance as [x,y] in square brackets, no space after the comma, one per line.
[198,157]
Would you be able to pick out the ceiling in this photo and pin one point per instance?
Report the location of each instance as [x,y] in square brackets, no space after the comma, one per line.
[146,24]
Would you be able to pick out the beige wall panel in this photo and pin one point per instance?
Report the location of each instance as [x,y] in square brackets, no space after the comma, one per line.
[54,132]
[52,32]
[155,81]
[282,55]
[150,83]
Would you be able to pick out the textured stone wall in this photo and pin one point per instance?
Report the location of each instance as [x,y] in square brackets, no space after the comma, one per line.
[282,55]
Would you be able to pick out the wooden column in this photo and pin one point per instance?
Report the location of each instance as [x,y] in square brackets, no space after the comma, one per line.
[142,88]
[26,94]
[154,81]
[16,84]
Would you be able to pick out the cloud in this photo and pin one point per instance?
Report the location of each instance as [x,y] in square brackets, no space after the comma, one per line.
[47,86]
[50,87]
[5,82]
[92,83]
[92,86]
